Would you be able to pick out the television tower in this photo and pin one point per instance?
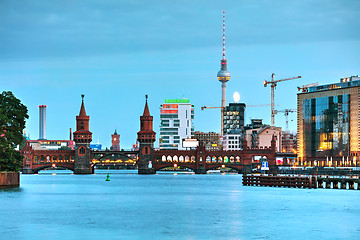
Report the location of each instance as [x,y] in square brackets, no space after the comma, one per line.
[223,76]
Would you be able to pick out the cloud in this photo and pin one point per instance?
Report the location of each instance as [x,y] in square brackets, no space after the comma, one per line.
[41,29]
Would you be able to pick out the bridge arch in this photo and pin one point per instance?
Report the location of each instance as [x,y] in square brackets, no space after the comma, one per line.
[110,154]
[238,168]
[36,170]
[172,165]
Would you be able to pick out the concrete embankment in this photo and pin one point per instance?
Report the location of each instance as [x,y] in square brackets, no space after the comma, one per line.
[9,179]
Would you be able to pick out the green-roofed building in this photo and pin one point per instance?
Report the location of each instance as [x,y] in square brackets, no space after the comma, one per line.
[176,116]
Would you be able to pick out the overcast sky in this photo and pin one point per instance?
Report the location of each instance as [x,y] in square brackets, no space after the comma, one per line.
[117,51]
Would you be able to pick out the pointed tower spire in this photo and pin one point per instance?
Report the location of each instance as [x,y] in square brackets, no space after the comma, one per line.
[146,109]
[224,34]
[82,109]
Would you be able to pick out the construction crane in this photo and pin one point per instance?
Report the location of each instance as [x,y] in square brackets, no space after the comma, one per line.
[286,112]
[261,105]
[273,86]
[305,88]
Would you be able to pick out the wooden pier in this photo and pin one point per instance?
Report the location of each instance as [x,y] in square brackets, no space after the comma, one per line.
[279,181]
[301,181]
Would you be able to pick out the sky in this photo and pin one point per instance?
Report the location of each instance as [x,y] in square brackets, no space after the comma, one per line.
[117,51]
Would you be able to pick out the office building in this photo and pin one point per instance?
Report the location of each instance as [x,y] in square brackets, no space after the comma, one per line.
[232,141]
[210,140]
[234,118]
[176,116]
[328,123]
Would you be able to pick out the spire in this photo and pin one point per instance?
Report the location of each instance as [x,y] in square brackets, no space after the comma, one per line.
[82,109]
[146,109]
[223,75]
[115,133]
[224,34]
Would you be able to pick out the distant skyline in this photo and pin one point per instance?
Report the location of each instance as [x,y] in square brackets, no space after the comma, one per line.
[115,52]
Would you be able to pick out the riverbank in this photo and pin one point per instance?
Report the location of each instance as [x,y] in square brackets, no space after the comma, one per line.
[9,179]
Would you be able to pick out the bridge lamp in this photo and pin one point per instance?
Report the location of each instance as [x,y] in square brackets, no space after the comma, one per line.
[53,165]
[223,166]
[175,165]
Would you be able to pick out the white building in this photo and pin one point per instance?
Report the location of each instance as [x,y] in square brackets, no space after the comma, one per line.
[232,142]
[176,116]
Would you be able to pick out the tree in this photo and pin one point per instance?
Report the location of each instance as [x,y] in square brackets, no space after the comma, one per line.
[12,123]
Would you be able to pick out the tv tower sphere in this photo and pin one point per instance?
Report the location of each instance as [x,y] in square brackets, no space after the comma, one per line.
[223,75]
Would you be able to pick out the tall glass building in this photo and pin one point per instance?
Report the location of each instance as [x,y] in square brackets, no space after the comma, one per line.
[234,118]
[328,124]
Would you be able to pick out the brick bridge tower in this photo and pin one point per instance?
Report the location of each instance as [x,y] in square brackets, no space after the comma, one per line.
[82,139]
[115,141]
[146,139]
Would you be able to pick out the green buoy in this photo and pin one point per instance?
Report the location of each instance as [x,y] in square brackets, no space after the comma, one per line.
[107,177]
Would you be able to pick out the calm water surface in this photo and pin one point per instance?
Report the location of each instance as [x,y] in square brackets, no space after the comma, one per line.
[171,206]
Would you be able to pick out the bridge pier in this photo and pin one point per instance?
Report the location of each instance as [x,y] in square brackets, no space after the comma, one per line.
[200,170]
[343,184]
[27,171]
[146,171]
[247,169]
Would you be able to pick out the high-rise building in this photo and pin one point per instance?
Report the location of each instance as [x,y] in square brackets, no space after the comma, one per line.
[234,118]
[42,122]
[233,126]
[328,123]
[115,141]
[176,116]
[210,140]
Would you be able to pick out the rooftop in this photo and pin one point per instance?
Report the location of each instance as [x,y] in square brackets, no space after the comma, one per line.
[176,100]
[353,81]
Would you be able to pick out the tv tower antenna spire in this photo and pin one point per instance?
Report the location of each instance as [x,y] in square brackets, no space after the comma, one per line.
[224,35]
[223,76]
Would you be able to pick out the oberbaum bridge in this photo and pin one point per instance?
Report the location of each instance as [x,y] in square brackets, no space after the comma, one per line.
[82,160]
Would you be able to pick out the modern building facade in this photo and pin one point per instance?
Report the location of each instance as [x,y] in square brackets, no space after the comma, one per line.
[176,116]
[328,123]
[210,140]
[234,118]
[233,126]
[232,141]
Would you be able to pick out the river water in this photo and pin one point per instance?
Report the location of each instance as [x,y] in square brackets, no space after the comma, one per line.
[60,205]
